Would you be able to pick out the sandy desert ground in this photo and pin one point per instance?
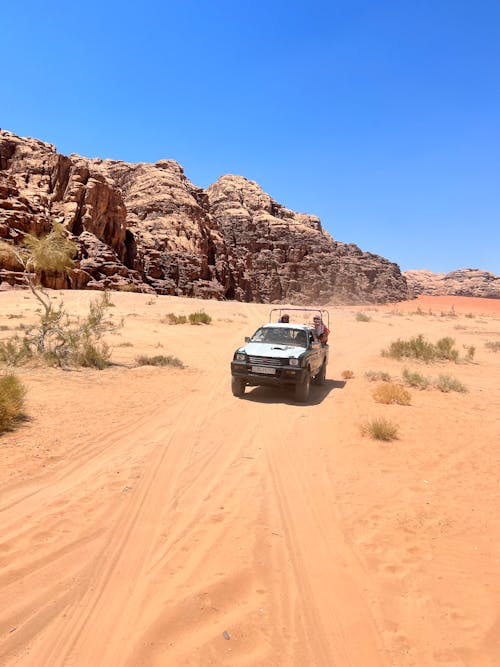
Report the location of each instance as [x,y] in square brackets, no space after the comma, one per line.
[148,517]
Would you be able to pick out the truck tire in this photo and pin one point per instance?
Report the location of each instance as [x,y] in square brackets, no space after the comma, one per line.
[302,389]
[237,386]
[321,376]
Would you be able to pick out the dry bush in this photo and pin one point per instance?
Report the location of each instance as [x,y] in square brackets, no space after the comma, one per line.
[361,317]
[378,376]
[12,393]
[391,393]
[380,429]
[471,351]
[493,346]
[347,375]
[159,360]
[172,318]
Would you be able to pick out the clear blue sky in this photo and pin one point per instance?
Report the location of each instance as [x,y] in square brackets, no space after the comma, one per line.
[382,117]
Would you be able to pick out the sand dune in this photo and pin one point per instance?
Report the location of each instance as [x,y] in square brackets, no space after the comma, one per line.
[148,517]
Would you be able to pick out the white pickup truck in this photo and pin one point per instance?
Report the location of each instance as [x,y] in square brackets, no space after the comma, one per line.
[281,354]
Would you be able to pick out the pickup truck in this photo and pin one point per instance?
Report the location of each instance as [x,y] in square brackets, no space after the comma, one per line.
[280,354]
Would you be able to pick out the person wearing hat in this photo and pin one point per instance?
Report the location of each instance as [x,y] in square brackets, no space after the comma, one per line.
[321,331]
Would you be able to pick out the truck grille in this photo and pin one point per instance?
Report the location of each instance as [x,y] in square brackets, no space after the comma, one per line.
[267,361]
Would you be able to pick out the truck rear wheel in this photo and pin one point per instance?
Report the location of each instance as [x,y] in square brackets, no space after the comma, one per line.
[302,389]
[237,386]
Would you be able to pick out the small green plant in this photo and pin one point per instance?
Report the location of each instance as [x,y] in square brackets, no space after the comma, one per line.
[414,379]
[347,375]
[159,360]
[362,317]
[172,318]
[447,383]
[391,393]
[12,393]
[380,429]
[199,318]
[493,346]
[378,376]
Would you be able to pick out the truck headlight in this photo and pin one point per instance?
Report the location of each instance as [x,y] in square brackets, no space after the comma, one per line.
[241,356]
[293,362]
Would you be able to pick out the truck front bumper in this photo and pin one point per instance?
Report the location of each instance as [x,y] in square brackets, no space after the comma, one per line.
[270,375]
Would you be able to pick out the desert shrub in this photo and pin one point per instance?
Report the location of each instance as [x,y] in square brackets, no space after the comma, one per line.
[14,316]
[419,348]
[493,346]
[12,393]
[4,327]
[92,354]
[470,315]
[14,351]
[448,383]
[391,393]
[58,340]
[380,429]
[415,348]
[159,360]
[199,318]
[172,318]
[125,344]
[445,349]
[347,375]
[415,379]
[378,376]
[361,317]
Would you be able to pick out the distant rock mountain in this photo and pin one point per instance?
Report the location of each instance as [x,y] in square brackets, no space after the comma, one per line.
[146,227]
[464,282]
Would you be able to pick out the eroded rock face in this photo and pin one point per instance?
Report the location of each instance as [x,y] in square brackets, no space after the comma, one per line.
[147,227]
[463,282]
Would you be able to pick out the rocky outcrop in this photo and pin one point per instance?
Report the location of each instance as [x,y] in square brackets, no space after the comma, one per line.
[463,282]
[146,227]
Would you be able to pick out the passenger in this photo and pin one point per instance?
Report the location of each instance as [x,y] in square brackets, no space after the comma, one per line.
[320,331]
[284,319]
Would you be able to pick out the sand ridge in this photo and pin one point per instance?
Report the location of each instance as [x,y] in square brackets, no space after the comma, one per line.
[148,517]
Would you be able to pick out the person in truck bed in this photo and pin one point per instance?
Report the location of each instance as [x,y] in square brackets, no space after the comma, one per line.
[284,319]
[321,331]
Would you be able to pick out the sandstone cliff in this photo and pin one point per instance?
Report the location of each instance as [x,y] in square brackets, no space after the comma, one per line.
[147,227]
[463,282]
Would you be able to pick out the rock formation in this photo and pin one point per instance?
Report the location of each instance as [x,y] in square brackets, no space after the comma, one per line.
[146,227]
[464,282]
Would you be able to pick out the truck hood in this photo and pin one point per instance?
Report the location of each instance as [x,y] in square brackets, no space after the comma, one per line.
[271,350]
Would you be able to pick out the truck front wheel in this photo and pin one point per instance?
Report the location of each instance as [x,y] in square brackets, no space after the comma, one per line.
[320,377]
[237,386]
[302,389]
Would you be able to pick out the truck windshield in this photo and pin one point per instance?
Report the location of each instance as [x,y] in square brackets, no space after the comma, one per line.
[280,336]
